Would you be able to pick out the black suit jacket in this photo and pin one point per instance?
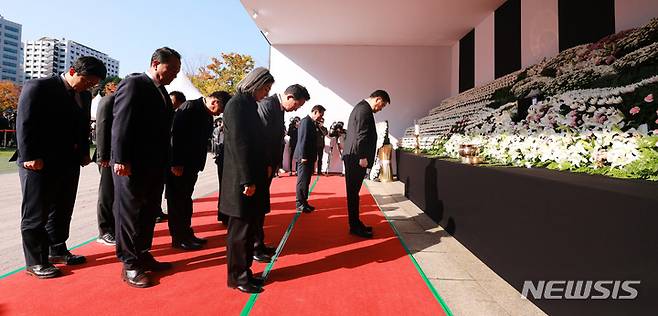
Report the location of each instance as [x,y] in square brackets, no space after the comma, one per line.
[50,124]
[271,114]
[245,159]
[306,140]
[104,128]
[190,132]
[141,124]
[361,141]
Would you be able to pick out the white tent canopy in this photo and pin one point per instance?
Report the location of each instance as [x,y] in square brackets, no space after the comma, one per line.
[181,83]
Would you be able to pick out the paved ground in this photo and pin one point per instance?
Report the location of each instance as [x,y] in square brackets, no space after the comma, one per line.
[467,285]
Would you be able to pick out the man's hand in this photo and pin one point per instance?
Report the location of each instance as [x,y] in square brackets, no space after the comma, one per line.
[269,171]
[122,169]
[304,160]
[104,163]
[177,170]
[33,164]
[249,190]
[85,160]
[363,162]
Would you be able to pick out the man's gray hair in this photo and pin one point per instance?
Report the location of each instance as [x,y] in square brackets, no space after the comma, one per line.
[255,80]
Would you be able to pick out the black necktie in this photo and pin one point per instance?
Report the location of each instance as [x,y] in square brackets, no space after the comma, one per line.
[164,93]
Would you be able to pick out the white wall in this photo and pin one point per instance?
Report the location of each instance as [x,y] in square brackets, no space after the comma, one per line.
[338,77]
[484,51]
[634,13]
[539,31]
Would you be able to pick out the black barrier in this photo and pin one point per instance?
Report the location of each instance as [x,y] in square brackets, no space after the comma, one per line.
[544,225]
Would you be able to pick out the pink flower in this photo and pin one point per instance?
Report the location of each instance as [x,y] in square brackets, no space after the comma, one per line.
[656,121]
[655,131]
[635,110]
[649,98]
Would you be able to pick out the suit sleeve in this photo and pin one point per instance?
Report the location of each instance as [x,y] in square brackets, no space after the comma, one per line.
[361,133]
[85,128]
[304,139]
[122,122]
[180,138]
[28,123]
[104,128]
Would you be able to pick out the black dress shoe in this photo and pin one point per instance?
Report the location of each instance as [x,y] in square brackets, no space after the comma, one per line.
[361,232]
[262,258]
[135,278]
[270,251]
[161,218]
[43,271]
[248,288]
[198,240]
[304,209]
[155,265]
[66,258]
[257,281]
[310,207]
[186,245]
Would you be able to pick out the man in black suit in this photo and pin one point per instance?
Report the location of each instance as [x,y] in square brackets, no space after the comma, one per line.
[359,154]
[190,132]
[104,213]
[305,154]
[177,99]
[140,154]
[321,133]
[218,153]
[271,111]
[53,142]
[245,195]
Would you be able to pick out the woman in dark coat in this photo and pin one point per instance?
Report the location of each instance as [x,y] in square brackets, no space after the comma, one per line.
[245,195]
[292,143]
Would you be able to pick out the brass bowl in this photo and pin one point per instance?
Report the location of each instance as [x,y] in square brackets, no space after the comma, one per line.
[468,150]
[473,160]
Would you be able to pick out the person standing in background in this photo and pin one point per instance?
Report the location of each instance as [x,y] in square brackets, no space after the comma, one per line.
[321,133]
[292,142]
[102,156]
[305,154]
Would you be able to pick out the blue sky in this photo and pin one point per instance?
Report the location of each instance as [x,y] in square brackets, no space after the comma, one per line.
[131,30]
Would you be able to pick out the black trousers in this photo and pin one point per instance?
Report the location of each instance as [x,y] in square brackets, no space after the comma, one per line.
[46,209]
[219,161]
[320,155]
[291,152]
[354,175]
[179,204]
[259,242]
[105,200]
[304,174]
[240,249]
[136,205]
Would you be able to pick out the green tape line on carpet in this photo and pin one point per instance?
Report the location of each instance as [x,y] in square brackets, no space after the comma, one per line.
[438,297]
[23,268]
[252,300]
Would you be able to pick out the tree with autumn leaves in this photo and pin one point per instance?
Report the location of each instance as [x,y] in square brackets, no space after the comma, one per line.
[9,93]
[222,73]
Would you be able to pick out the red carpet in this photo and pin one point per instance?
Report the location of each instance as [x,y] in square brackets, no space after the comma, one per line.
[196,285]
[321,271]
